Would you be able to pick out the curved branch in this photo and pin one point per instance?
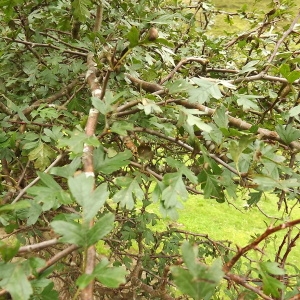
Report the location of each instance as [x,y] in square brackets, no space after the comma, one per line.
[270,230]
[184,61]
[145,85]
[158,176]
[280,41]
[238,123]
[33,182]
[186,146]
[241,281]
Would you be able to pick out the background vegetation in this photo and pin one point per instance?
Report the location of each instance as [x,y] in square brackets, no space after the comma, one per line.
[116,116]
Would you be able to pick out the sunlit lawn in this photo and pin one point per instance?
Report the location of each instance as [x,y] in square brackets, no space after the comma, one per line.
[223,221]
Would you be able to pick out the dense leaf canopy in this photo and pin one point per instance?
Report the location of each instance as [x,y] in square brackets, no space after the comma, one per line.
[112,114]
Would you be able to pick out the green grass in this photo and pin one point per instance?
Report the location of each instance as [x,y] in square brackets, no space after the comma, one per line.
[239,24]
[223,221]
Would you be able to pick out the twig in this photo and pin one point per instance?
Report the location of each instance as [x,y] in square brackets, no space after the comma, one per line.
[33,45]
[33,182]
[186,146]
[62,42]
[104,86]
[275,51]
[57,257]
[241,251]
[49,263]
[3,107]
[64,91]
[241,281]
[184,61]
[267,216]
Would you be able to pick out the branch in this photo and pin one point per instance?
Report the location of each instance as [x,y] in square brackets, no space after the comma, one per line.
[4,108]
[38,246]
[88,166]
[62,42]
[227,267]
[184,61]
[64,91]
[99,17]
[49,263]
[285,34]
[34,45]
[91,76]
[145,85]
[57,257]
[33,182]
[238,123]
[241,281]
[186,146]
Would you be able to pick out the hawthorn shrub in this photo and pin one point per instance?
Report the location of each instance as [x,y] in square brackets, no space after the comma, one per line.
[110,106]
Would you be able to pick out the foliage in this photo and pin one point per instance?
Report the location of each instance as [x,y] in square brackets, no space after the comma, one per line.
[109,108]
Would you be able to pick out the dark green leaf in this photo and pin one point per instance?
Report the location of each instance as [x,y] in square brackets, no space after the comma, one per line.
[67,170]
[76,141]
[271,285]
[189,254]
[293,76]
[49,293]
[164,42]
[71,232]
[133,37]
[220,117]
[175,189]
[48,181]
[33,213]
[249,67]
[178,86]
[106,165]
[254,198]
[41,156]
[288,133]
[101,228]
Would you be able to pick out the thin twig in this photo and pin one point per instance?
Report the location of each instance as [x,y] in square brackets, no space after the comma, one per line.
[280,41]
[241,281]
[33,182]
[34,45]
[184,61]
